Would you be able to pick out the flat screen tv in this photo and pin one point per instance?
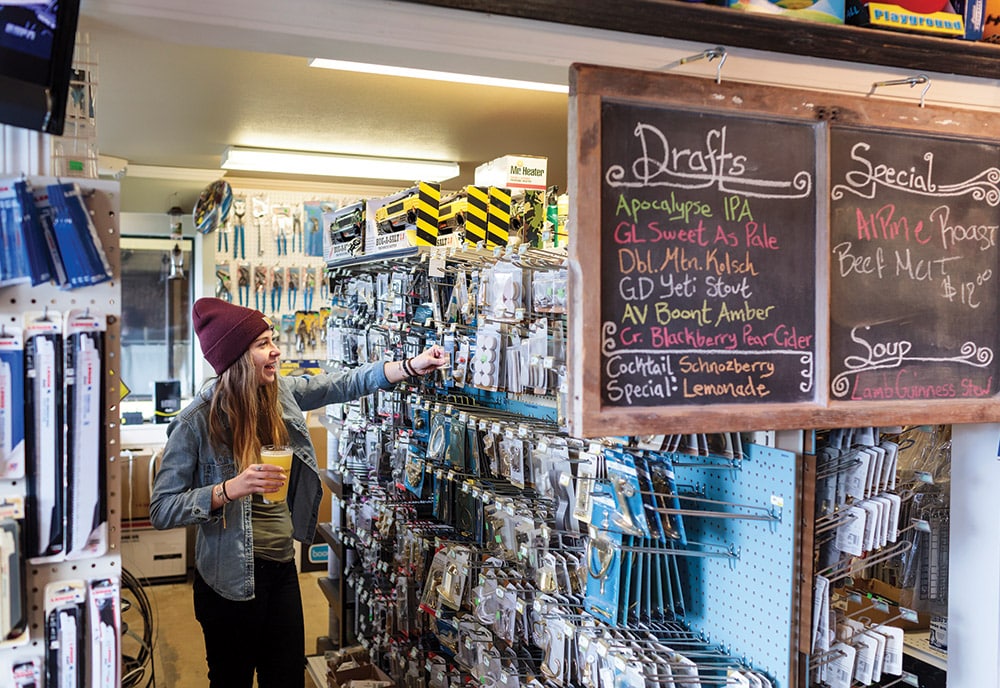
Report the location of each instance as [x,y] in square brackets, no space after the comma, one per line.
[36,56]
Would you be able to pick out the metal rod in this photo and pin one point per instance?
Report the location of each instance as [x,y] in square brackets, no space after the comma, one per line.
[710,54]
[910,81]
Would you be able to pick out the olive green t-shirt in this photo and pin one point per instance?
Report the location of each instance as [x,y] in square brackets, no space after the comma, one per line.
[272,530]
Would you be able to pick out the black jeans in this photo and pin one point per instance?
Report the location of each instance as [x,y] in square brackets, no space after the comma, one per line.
[266,634]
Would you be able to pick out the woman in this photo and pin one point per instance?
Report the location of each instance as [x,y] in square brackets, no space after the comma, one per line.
[246,590]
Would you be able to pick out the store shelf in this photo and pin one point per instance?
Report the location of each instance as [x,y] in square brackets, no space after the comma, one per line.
[331,590]
[316,666]
[377,258]
[918,646]
[328,535]
[332,425]
[732,28]
[334,482]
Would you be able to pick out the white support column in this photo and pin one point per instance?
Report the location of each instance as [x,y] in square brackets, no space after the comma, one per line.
[974,564]
[23,151]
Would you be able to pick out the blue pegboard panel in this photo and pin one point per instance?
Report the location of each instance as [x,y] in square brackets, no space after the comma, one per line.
[745,604]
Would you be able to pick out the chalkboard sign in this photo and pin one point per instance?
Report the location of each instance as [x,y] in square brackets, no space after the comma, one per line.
[747,257]
[702,243]
[914,303]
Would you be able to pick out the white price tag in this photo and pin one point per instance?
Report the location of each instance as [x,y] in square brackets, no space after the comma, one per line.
[602,648]
[436,266]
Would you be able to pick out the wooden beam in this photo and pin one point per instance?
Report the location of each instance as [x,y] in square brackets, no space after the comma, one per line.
[732,28]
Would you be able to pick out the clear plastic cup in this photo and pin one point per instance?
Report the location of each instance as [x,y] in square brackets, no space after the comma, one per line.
[277,455]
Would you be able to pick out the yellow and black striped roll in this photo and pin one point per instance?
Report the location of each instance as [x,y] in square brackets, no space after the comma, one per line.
[428,202]
[498,226]
[477,217]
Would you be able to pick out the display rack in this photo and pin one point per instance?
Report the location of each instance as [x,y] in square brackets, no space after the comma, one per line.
[105,300]
[749,604]
[729,598]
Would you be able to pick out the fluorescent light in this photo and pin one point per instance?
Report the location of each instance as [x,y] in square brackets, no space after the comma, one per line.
[389,70]
[336,165]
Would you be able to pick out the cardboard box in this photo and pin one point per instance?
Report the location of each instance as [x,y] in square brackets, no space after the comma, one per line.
[137,483]
[402,221]
[462,217]
[314,557]
[939,633]
[367,674]
[155,554]
[343,235]
[898,596]
[498,220]
[826,11]
[974,13]
[991,21]
[963,19]
[352,668]
[514,172]
[355,654]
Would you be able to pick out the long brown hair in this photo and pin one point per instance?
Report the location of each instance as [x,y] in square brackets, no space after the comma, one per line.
[244,414]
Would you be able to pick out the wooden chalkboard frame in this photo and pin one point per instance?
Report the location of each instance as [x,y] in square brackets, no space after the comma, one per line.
[590,87]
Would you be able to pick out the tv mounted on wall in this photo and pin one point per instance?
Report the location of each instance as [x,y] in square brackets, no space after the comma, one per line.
[36,55]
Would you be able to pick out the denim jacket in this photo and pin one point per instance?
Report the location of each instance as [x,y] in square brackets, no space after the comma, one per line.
[191,468]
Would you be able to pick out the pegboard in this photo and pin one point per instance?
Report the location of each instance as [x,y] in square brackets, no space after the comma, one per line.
[267,240]
[746,604]
[104,299]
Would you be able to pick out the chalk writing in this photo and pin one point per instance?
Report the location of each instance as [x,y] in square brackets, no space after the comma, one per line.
[712,166]
[701,240]
[893,354]
[870,176]
[913,308]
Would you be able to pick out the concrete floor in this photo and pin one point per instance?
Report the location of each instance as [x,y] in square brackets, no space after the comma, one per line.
[178,646]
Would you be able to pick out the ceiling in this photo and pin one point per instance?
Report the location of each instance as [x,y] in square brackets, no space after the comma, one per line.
[176,87]
[179,80]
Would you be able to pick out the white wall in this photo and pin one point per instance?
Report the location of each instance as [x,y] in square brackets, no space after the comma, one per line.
[974,564]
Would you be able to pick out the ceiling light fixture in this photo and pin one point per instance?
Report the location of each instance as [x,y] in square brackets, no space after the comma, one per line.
[389,70]
[336,165]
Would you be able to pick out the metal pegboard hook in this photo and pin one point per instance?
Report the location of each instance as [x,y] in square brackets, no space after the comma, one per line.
[843,569]
[825,658]
[906,678]
[711,54]
[910,81]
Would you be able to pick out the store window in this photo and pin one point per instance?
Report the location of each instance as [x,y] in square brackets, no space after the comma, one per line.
[156,300]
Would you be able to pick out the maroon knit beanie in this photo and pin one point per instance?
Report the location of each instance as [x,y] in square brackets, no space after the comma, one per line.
[226,331]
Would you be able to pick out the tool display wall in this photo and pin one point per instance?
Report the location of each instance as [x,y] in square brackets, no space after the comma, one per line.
[488,544]
[882,530]
[757,498]
[66,578]
[269,255]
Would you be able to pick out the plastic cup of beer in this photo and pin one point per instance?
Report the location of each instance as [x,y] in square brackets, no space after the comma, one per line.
[277,455]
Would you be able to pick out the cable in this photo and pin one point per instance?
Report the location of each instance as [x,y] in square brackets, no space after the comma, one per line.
[134,668]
